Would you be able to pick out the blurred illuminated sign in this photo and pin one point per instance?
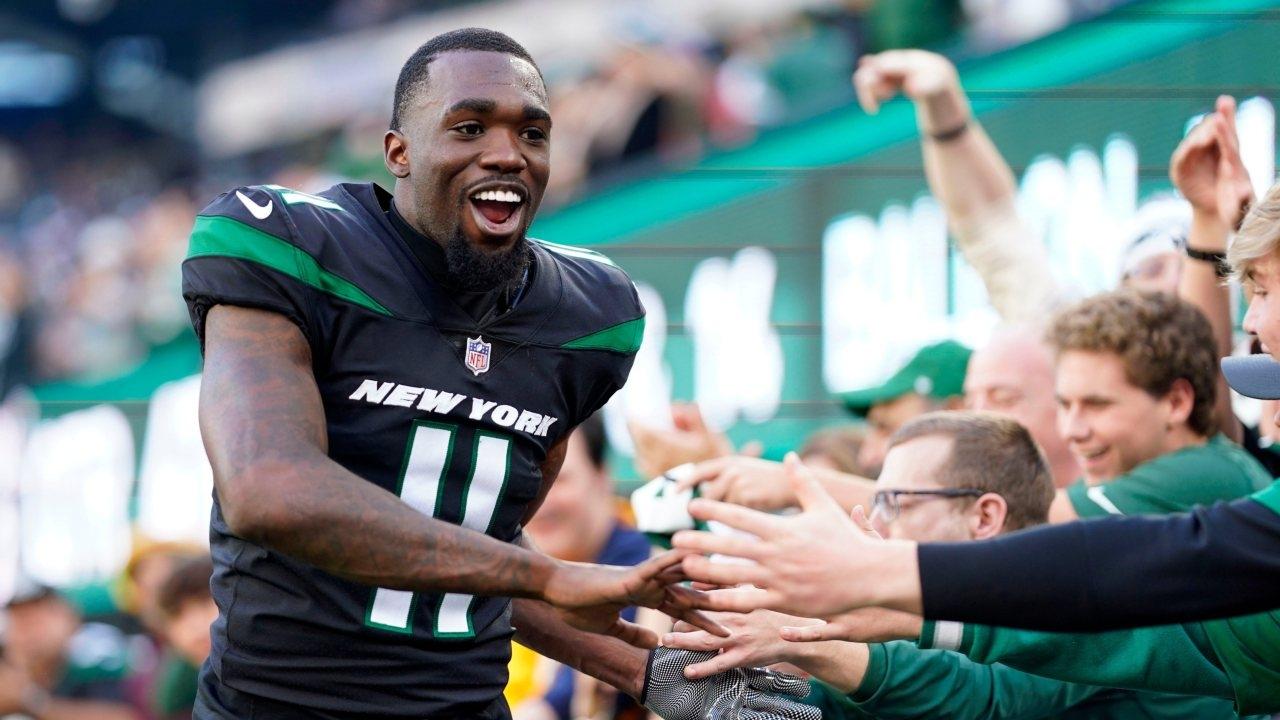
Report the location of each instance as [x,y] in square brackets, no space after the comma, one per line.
[33,76]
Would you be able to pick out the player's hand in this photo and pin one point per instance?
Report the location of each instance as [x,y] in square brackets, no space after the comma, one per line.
[1207,169]
[754,641]
[590,597]
[928,79]
[861,625]
[817,563]
[690,440]
[751,694]
[747,481]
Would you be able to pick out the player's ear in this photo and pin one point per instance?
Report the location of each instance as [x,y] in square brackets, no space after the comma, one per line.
[987,516]
[1181,399]
[395,153]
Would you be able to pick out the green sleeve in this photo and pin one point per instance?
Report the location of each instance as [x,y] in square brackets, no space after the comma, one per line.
[903,681]
[1269,497]
[1198,475]
[1249,650]
[834,704]
[1168,658]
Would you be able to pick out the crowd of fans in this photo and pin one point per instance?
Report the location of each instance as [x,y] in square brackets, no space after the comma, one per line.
[1088,407]
[139,663]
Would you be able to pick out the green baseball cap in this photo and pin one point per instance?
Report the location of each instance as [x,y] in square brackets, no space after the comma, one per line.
[935,371]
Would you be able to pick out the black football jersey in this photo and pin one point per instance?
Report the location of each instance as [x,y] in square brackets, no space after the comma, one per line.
[453,415]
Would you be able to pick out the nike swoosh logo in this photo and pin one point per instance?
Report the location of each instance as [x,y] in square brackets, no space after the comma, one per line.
[259,211]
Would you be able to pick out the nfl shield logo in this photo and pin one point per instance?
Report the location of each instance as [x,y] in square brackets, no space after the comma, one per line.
[478,352]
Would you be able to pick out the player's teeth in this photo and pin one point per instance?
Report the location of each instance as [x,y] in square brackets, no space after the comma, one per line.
[497,196]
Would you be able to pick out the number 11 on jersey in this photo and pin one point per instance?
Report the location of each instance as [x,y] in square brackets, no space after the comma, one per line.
[422,484]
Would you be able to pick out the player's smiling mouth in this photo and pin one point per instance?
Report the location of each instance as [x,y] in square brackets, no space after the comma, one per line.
[498,208]
[1091,456]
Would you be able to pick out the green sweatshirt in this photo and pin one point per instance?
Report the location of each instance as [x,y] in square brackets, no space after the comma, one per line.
[1196,475]
[1169,658]
[904,681]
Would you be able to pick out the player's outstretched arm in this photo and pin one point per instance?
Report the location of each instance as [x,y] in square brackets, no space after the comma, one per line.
[656,678]
[264,430]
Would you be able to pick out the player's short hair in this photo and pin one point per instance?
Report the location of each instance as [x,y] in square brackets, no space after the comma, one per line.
[189,581]
[992,453]
[592,432]
[1159,338]
[413,75]
[1259,235]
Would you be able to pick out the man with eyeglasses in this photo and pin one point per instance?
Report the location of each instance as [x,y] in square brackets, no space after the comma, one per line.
[948,477]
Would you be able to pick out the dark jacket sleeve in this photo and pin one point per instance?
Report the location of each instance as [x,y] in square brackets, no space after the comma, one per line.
[1112,573]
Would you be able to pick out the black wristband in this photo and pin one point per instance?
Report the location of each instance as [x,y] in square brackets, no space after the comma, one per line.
[1219,260]
[951,133]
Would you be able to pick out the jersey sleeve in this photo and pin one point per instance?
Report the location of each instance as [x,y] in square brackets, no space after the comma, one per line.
[1167,658]
[903,681]
[1219,561]
[243,251]
[613,349]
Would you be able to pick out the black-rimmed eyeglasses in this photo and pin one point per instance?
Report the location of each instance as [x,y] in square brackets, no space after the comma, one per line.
[888,503]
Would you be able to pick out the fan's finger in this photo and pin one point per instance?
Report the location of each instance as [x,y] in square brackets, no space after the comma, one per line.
[739,518]
[701,569]
[739,600]
[810,633]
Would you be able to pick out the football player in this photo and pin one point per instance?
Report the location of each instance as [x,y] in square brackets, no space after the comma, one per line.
[390,379]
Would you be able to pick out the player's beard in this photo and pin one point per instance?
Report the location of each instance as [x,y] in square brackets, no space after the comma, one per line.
[474,271]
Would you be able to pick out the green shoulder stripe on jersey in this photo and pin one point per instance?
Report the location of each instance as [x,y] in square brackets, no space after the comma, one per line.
[1270,497]
[217,236]
[624,338]
[575,252]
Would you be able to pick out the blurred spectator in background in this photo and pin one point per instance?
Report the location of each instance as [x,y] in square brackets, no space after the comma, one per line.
[187,610]
[970,179]
[151,564]
[933,379]
[1013,375]
[835,449]
[1152,257]
[138,595]
[578,521]
[55,667]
